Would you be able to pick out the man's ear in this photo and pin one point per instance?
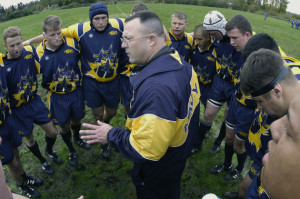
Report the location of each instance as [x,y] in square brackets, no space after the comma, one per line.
[152,39]
[277,90]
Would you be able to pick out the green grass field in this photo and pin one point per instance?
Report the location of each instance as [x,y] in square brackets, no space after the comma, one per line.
[97,178]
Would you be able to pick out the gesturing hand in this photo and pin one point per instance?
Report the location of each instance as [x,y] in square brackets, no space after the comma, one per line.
[96,134]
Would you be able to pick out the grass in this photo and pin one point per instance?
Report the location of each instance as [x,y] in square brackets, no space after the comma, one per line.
[97,178]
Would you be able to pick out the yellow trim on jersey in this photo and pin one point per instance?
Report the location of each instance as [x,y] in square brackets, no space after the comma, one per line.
[296,70]
[168,39]
[1,59]
[70,42]
[71,31]
[49,97]
[28,48]
[86,27]
[115,23]
[190,39]
[176,56]
[281,52]
[295,61]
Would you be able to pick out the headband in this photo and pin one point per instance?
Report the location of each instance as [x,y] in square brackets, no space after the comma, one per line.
[272,84]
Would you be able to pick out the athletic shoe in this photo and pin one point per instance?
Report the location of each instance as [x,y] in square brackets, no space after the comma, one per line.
[47,168]
[232,174]
[73,159]
[33,181]
[215,148]
[231,195]
[53,156]
[195,150]
[29,192]
[81,143]
[105,151]
[219,168]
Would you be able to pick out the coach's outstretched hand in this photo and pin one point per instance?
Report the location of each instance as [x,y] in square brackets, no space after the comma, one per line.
[96,134]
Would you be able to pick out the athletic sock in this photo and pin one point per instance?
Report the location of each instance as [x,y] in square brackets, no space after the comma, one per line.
[50,142]
[228,155]
[241,161]
[222,134]
[203,130]
[75,129]
[36,151]
[67,139]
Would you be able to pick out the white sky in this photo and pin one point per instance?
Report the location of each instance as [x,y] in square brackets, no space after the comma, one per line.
[293,6]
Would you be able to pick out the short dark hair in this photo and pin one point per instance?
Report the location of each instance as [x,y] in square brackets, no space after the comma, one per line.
[201,29]
[138,8]
[150,20]
[262,67]
[52,22]
[258,41]
[240,22]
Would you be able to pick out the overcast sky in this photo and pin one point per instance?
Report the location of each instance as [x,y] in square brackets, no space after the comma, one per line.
[293,6]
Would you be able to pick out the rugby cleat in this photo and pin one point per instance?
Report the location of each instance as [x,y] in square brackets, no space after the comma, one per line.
[232,174]
[215,148]
[81,143]
[105,151]
[231,195]
[29,192]
[47,168]
[73,159]
[33,181]
[219,168]
[53,156]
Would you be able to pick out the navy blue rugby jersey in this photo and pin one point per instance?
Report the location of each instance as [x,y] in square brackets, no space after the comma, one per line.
[21,77]
[4,94]
[61,73]
[101,52]
[204,64]
[183,46]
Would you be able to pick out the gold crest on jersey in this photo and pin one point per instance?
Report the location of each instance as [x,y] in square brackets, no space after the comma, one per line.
[29,56]
[187,47]
[113,32]
[68,51]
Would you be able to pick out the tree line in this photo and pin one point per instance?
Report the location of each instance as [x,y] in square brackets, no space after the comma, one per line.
[272,7]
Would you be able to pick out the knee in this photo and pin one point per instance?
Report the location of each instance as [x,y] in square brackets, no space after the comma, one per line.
[14,164]
[30,140]
[98,115]
[229,140]
[239,149]
[52,132]
[208,116]
[111,113]
[65,128]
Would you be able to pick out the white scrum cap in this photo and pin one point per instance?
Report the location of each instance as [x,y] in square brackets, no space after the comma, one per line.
[214,20]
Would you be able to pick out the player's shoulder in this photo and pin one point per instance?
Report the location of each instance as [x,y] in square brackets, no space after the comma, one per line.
[29,48]
[117,23]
